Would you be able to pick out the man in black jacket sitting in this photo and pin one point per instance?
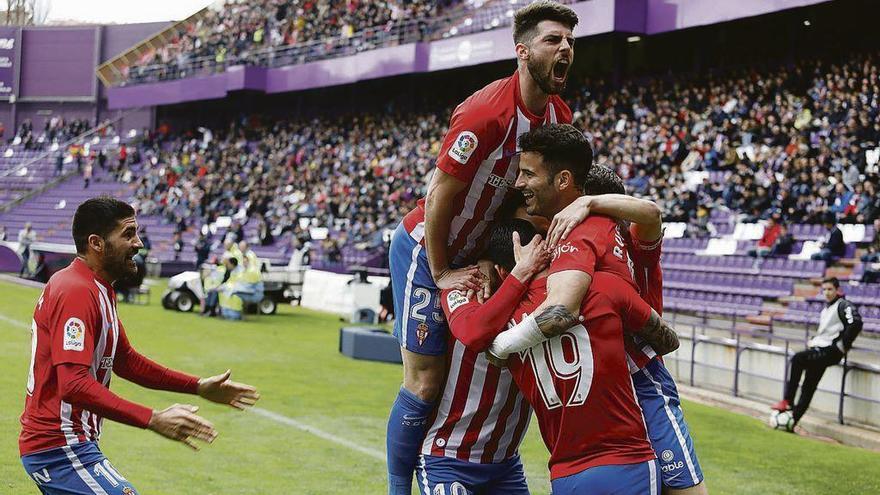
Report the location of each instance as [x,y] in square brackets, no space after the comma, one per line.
[839,325]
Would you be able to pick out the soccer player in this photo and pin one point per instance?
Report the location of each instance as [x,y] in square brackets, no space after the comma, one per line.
[555,162]
[435,244]
[578,383]
[655,388]
[77,342]
[472,444]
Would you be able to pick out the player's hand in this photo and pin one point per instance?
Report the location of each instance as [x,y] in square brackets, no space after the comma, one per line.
[222,390]
[180,422]
[464,279]
[570,217]
[530,259]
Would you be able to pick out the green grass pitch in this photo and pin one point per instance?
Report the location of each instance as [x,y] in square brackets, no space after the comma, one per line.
[309,390]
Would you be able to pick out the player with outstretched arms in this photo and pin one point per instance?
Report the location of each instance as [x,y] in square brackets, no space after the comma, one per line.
[77,343]
[436,243]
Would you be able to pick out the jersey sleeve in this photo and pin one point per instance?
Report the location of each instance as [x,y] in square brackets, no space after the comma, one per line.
[476,324]
[471,137]
[73,322]
[139,369]
[646,254]
[580,251]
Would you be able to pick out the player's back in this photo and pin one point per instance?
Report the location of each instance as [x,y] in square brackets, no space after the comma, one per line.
[594,245]
[74,322]
[480,149]
[481,417]
[579,384]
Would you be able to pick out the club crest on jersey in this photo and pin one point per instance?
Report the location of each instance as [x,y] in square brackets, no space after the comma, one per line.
[422,332]
[128,491]
[455,300]
[463,147]
[74,335]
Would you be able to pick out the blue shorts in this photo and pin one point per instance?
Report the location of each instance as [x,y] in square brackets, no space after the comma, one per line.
[667,429]
[79,469]
[615,479]
[419,324]
[448,476]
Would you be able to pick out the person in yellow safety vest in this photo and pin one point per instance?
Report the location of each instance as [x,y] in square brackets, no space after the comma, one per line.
[231,250]
[211,284]
[230,303]
[252,280]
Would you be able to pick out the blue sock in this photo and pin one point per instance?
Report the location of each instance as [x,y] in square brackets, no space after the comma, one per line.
[406,431]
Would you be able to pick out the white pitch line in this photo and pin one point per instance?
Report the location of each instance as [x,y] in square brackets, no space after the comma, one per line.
[373,453]
[278,418]
[15,323]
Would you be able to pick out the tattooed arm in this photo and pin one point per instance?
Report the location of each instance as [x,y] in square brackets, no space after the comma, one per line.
[559,312]
[659,334]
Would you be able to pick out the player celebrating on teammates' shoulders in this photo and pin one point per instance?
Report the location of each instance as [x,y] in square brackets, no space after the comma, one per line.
[433,247]
[77,341]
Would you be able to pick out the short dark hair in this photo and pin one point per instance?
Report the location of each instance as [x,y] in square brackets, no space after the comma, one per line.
[499,248]
[603,180]
[98,216]
[563,147]
[526,19]
[831,280]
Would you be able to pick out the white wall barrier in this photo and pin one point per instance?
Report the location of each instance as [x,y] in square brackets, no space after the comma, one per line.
[340,293]
[760,372]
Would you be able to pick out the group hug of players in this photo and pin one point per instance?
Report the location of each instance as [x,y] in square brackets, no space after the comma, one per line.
[527,280]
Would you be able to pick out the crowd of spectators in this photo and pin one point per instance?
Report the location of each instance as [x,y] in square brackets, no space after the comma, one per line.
[790,144]
[239,29]
[797,140]
[355,175]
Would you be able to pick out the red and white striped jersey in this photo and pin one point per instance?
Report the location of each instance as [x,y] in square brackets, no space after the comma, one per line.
[649,278]
[74,322]
[480,148]
[482,417]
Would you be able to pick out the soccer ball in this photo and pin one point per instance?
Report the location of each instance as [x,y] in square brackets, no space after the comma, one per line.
[782,420]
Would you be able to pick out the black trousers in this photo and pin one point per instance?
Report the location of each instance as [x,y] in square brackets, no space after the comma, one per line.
[812,363]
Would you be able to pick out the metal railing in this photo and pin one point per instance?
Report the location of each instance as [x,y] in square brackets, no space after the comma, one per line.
[490,15]
[740,347]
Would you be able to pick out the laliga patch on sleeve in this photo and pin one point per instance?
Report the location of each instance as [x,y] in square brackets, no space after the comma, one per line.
[463,147]
[74,335]
[455,300]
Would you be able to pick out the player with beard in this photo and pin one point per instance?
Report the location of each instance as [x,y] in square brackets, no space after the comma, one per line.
[435,245]
[77,342]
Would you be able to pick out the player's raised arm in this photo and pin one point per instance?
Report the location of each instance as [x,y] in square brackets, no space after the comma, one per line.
[442,191]
[645,216]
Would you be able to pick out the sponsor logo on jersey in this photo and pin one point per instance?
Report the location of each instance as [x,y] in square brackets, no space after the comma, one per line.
[455,300]
[563,249]
[422,332]
[667,455]
[497,181]
[74,335]
[463,147]
[107,363]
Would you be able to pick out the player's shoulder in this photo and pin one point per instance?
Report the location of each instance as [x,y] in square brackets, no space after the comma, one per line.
[594,224]
[561,109]
[490,104]
[71,282]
